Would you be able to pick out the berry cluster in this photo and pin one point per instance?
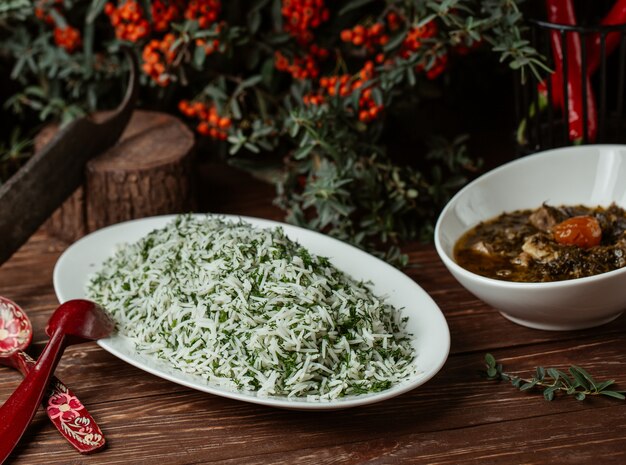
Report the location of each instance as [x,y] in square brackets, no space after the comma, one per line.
[67,38]
[211,123]
[301,68]
[368,109]
[438,66]
[301,16]
[204,11]
[42,10]
[337,85]
[394,21]
[157,56]
[313,99]
[343,85]
[415,35]
[368,37]
[209,46]
[414,40]
[304,67]
[128,20]
[163,13]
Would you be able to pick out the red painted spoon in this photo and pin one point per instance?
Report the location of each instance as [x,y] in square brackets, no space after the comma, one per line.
[64,409]
[73,322]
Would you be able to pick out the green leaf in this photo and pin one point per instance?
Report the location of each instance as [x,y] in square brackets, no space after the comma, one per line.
[353,5]
[580,396]
[277,17]
[303,152]
[581,379]
[279,39]
[530,385]
[614,394]
[258,5]
[253,148]
[250,82]
[553,373]
[95,8]
[254,21]
[395,41]
[490,360]
[565,379]
[58,18]
[548,394]
[605,384]
[88,39]
[540,373]
[199,56]
[235,109]
[492,372]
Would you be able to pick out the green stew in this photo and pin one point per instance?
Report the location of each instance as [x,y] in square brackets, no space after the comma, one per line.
[546,244]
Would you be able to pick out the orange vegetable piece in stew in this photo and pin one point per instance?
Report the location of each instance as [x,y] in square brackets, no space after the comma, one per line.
[582,231]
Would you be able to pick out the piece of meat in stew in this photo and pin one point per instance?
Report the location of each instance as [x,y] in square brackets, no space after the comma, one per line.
[546,244]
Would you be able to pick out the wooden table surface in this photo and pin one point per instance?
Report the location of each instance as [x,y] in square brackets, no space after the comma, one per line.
[456,418]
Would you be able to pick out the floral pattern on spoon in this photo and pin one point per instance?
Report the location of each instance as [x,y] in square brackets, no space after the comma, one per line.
[15,331]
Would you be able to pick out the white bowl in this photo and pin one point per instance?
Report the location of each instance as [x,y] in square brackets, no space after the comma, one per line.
[590,175]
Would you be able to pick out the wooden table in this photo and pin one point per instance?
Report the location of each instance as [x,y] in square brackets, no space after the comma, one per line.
[456,418]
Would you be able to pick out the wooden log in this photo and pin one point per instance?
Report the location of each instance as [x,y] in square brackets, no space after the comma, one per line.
[149,172]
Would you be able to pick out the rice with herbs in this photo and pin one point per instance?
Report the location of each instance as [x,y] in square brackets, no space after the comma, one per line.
[250,309]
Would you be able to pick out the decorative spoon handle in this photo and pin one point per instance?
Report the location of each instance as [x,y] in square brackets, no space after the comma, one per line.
[20,408]
[65,411]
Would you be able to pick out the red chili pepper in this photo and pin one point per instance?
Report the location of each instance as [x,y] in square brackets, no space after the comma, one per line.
[562,12]
[617,15]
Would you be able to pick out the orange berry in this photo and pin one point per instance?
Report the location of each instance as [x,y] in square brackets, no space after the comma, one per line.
[376,29]
[203,128]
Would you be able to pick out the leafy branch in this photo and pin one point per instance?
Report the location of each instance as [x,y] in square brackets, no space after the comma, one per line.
[578,383]
[265,81]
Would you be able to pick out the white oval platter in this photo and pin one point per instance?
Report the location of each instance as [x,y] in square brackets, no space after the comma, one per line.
[426,323]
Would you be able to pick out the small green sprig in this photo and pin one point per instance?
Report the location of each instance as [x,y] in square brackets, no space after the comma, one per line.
[578,383]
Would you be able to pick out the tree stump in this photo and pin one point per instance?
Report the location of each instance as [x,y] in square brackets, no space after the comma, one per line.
[148,172]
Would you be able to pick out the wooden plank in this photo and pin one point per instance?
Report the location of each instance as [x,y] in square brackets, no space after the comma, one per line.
[455,418]
[126,401]
[532,441]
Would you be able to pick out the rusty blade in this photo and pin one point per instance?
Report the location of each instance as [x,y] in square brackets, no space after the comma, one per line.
[30,196]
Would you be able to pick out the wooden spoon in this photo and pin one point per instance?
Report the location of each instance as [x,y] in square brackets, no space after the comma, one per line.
[64,409]
[73,322]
